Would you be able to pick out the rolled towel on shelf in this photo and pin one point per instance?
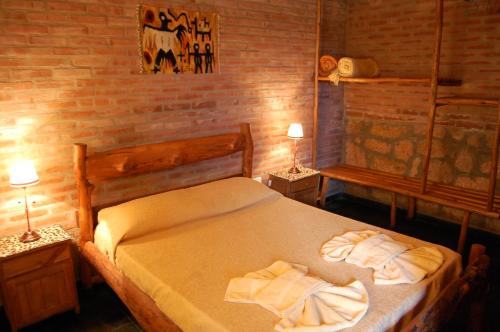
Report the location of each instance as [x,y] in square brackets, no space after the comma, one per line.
[351,67]
[327,64]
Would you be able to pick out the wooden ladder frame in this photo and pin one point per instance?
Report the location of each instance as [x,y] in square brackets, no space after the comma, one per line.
[435,102]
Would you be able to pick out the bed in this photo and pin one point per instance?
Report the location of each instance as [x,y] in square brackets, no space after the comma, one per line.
[171,265]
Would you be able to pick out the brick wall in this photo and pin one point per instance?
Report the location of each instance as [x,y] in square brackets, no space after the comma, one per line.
[69,72]
[386,124]
[331,100]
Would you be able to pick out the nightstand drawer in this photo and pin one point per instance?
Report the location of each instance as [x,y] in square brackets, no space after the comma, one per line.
[20,265]
[310,182]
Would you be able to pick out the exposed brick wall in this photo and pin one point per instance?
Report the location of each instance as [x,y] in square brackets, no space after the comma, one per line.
[331,101]
[69,72]
[386,124]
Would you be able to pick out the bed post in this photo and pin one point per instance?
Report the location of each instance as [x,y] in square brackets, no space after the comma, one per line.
[246,167]
[84,210]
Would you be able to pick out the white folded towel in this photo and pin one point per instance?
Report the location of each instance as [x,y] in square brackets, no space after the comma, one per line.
[303,302]
[375,252]
[393,262]
[410,267]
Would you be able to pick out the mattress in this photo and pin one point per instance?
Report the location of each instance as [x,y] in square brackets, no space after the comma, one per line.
[186,268]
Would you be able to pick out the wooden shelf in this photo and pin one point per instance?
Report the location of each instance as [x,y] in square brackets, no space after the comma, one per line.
[455,197]
[466,101]
[396,80]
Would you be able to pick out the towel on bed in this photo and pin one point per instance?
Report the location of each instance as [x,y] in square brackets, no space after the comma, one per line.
[393,262]
[351,67]
[303,302]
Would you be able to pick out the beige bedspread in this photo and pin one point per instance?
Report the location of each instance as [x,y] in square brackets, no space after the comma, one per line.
[186,268]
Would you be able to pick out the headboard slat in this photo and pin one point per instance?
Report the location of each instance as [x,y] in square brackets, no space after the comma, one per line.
[156,157]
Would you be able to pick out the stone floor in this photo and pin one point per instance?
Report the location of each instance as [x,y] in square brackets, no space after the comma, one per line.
[102,311]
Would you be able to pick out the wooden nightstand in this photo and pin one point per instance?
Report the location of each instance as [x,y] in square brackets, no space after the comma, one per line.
[37,279]
[302,187]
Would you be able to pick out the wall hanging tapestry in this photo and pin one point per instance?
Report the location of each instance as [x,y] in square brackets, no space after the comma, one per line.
[177,41]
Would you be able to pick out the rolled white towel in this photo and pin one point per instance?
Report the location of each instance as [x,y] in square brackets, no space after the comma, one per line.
[351,67]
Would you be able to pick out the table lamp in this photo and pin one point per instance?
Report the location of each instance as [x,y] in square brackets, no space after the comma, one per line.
[295,132]
[23,175]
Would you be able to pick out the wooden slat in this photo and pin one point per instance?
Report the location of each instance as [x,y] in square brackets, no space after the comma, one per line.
[411,208]
[455,197]
[434,87]
[316,86]
[247,160]
[413,183]
[494,163]
[84,211]
[463,232]
[394,80]
[383,180]
[141,159]
[324,190]
[466,101]
[393,210]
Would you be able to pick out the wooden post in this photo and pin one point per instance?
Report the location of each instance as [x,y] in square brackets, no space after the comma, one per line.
[85,209]
[494,163]
[246,167]
[463,232]
[410,213]
[393,210]
[324,190]
[476,251]
[434,87]
[316,87]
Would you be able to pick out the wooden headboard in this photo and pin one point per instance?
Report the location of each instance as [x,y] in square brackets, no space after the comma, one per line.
[130,161]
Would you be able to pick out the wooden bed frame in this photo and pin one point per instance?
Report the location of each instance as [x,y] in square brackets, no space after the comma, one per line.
[123,162]
[113,164]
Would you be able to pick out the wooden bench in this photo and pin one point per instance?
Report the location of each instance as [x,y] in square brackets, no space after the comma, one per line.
[470,201]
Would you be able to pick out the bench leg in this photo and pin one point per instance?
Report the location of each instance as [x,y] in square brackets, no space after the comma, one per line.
[463,232]
[324,190]
[410,213]
[393,210]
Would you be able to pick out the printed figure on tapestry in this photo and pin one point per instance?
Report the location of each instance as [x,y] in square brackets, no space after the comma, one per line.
[177,41]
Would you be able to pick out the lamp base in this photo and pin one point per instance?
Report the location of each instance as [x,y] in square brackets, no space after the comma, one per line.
[29,236]
[294,170]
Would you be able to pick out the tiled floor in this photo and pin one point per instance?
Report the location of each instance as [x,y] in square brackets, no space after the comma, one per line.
[102,311]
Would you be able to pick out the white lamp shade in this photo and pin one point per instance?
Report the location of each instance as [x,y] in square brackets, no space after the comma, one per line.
[23,174]
[295,131]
